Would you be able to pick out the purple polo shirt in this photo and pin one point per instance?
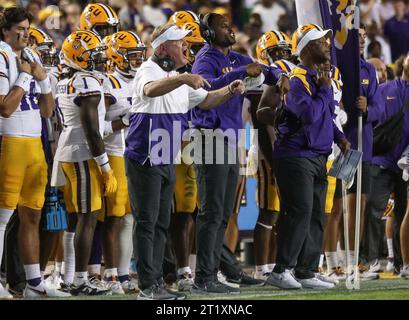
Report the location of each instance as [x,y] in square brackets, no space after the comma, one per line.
[314,107]
[369,89]
[220,70]
[394,95]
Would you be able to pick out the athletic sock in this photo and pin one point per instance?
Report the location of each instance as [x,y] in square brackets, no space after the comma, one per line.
[390,248]
[263,269]
[94,269]
[5,215]
[69,256]
[192,263]
[80,278]
[33,276]
[182,271]
[271,266]
[321,262]
[125,247]
[111,274]
[332,260]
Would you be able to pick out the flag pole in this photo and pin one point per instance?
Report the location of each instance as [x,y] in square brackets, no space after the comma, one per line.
[345,213]
[358,206]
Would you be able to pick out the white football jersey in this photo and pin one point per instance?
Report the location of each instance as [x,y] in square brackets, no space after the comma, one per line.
[72,144]
[121,90]
[26,120]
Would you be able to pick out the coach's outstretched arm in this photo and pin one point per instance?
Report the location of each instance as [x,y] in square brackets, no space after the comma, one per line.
[218,97]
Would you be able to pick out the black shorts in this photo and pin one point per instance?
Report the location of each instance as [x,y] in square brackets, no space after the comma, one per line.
[366,179]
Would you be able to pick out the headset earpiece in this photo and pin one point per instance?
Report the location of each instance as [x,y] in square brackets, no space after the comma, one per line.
[207,32]
[166,63]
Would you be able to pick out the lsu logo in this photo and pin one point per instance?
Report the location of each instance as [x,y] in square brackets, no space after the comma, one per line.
[348,13]
[227,70]
[365,81]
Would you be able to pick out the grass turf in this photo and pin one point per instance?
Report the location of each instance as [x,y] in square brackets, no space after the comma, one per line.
[387,288]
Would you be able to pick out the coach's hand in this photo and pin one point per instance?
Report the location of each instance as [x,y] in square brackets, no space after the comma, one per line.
[237,87]
[38,71]
[362,104]
[194,80]
[253,69]
[110,183]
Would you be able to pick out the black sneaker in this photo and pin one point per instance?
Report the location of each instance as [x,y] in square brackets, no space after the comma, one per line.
[231,290]
[178,295]
[243,279]
[156,292]
[88,289]
[212,287]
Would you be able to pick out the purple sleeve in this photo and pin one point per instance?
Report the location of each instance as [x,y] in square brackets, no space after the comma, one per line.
[300,102]
[374,100]
[207,71]
[272,74]
[338,134]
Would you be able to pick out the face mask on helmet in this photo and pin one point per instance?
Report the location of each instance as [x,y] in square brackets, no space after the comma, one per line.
[48,55]
[133,58]
[105,30]
[97,59]
[279,52]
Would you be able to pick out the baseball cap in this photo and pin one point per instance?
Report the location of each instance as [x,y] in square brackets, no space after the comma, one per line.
[310,35]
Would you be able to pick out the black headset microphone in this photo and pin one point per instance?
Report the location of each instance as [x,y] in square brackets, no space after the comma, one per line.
[206,30]
[166,62]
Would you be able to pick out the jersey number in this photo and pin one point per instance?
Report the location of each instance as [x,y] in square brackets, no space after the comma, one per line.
[29,102]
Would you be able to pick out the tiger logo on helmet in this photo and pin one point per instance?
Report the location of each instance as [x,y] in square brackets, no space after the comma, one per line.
[180,18]
[126,52]
[83,50]
[194,40]
[273,45]
[44,46]
[99,18]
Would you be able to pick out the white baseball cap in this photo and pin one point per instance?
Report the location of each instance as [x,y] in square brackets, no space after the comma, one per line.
[173,33]
[311,35]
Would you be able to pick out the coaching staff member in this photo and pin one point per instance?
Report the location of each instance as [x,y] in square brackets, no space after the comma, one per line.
[299,157]
[217,182]
[161,97]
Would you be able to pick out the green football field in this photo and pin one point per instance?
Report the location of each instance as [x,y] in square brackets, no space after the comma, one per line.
[387,288]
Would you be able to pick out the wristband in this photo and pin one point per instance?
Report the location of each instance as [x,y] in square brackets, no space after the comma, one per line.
[103,161]
[45,86]
[23,81]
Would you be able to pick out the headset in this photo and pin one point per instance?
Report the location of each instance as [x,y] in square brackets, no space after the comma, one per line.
[166,63]
[207,32]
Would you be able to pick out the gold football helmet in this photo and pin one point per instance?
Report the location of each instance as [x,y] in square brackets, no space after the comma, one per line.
[180,18]
[126,52]
[194,40]
[99,18]
[44,46]
[83,50]
[272,46]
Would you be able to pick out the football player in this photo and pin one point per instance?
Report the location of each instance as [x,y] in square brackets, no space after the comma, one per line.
[125,53]
[81,152]
[25,96]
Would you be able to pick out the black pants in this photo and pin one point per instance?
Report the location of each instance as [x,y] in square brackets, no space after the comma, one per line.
[217,190]
[303,186]
[229,265]
[151,193]
[383,183]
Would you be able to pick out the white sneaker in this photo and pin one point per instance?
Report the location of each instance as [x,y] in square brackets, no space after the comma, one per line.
[323,277]
[389,266]
[366,274]
[315,283]
[375,266]
[56,293]
[33,293]
[185,282]
[4,294]
[115,287]
[97,282]
[284,280]
[404,272]
[223,280]
[53,281]
[261,275]
[130,286]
